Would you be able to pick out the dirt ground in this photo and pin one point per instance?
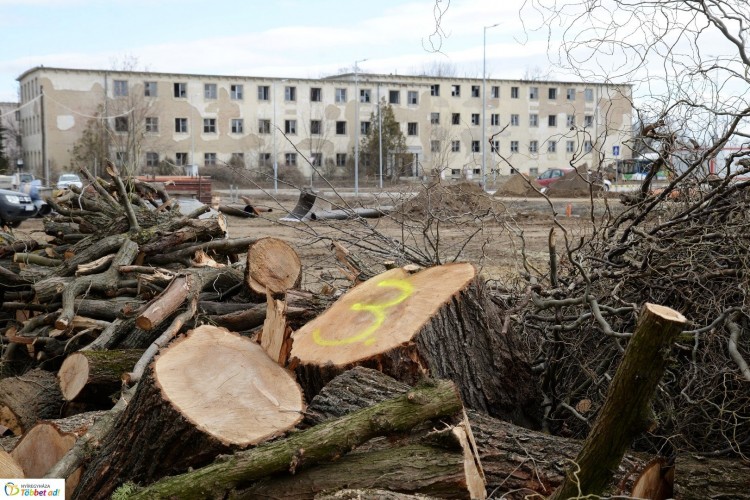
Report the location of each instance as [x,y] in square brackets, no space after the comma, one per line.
[494,242]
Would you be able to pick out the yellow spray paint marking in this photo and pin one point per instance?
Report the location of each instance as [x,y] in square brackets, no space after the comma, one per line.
[377,310]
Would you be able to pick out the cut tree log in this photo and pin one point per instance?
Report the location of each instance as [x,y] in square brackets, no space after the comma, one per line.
[28,398]
[625,413]
[318,444]
[209,393]
[96,376]
[194,230]
[437,322]
[164,305]
[272,265]
[699,478]
[9,468]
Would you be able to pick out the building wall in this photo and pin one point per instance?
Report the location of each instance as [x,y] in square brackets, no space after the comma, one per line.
[57,104]
[9,118]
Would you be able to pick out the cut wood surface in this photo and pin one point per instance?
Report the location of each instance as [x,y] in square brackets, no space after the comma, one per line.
[437,322]
[164,305]
[208,393]
[276,335]
[9,468]
[272,265]
[95,376]
[28,398]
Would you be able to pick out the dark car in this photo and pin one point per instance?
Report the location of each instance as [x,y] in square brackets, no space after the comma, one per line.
[15,207]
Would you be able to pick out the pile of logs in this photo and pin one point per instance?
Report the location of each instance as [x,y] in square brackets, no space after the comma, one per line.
[148,354]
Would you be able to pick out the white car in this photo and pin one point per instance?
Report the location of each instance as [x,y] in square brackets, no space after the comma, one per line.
[67,180]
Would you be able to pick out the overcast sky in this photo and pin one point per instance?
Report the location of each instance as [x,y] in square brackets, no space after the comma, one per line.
[280,38]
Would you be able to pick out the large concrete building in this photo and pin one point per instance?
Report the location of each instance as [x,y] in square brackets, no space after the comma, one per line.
[214,119]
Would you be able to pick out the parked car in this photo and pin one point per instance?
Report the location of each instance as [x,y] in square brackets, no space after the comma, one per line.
[67,180]
[15,207]
[553,175]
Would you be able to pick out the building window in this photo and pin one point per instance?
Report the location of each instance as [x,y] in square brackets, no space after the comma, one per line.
[316,94]
[209,125]
[411,128]
[552,121]
[533,92]
[587,147]
[238,126]
[475,91]
[236,92]
[455,146]
[552,94]
[181,125]
[514,146]
[264,93]
[571,93]
[533,120]
[121,88]
[290,127]
[152,124]
[435,146]
[340,95]
[149,89]
[364,128]
[340,159]
[456,90]
[365,95]
[181,159]
[210,91]
[551,147]
[152,159]
[570,147]
[264,126]
[456,118]
[209,159]
[515,120]
[264,159]
[316,159]
[435,90]
[412,97]
[435,118]
[514,92]
[394,97]
[495,146]
[290,159]
[340,128]
[588,121]
[589,95]
[570,121]
[533,146]
[495,119]
[180,89]
[315,127]
[495,92]
[475,118]
[290,94]
[475,147]
[121,124]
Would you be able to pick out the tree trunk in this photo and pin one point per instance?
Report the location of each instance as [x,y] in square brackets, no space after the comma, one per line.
[94,377]
[438,322]
[625,413]
[26,399]
[209,393]
[699,478]
[321,443]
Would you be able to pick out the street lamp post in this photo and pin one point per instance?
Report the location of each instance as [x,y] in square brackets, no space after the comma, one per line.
[484,105]
[356,128]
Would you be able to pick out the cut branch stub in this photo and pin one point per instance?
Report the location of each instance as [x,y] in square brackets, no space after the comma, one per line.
[94,376]
[272,265]
[438,322]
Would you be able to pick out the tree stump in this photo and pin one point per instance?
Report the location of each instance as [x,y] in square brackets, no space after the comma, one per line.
[437,322]
[94,377]
[28,398]
[210,392]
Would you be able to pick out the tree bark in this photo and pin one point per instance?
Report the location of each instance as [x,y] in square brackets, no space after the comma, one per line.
[28,398]
[321,443]
[164,305]
[699,478]
[94,377]
[438,322]
[625,413]
[194,230]
[172,422]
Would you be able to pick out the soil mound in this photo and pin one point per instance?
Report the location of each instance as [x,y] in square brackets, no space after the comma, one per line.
[518,185]
[462,200]
[574,184]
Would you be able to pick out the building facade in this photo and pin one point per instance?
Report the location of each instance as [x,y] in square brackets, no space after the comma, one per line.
[10,117]
[208,120]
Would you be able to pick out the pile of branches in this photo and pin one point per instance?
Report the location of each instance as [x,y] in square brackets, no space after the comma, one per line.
[686,247]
